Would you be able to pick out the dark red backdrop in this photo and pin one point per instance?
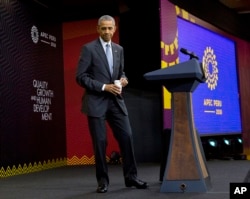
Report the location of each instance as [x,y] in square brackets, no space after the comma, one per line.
[79,146]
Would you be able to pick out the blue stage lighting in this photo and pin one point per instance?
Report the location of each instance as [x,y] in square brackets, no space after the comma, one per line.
[239,140]
[227,142]
[213,142]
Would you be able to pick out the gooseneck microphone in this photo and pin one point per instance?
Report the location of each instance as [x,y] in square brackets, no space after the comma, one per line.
[191,54]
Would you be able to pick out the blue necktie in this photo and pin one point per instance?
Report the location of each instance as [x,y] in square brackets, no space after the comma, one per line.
[109,57]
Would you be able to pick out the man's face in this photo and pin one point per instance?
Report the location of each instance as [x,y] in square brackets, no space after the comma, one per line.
[106,30]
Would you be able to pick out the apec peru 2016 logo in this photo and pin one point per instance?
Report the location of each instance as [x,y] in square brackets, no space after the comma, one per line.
[240,190]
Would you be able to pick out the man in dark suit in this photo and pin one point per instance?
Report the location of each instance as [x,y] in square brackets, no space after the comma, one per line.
[103,102]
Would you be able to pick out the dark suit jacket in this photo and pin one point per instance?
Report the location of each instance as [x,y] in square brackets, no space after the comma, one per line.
[93,72]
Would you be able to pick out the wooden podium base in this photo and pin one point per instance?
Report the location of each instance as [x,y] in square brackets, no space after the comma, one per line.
[186,169]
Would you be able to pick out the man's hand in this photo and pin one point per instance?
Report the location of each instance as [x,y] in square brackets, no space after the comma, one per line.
[112,88]
[124,81]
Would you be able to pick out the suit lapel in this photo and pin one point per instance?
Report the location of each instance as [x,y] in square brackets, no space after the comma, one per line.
[114,50]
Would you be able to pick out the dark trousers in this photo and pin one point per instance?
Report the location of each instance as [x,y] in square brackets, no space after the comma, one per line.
[121,129]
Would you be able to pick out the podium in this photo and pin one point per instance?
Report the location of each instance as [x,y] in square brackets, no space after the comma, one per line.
[186,169]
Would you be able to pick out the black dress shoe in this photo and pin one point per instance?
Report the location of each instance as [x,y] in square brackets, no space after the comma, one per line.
[139,184]
[102,188]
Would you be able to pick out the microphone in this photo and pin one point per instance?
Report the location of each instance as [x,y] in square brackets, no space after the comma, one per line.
[191,54]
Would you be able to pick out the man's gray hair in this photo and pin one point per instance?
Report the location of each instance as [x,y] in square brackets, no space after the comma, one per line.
[106,18]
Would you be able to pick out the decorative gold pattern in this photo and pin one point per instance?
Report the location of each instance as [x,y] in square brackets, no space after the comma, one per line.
[50,164]
[32,168]
[170,50]
[84,160]
[210,68]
